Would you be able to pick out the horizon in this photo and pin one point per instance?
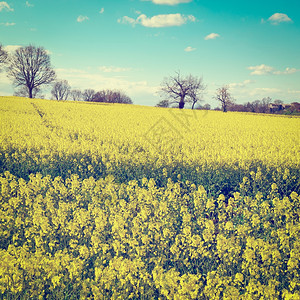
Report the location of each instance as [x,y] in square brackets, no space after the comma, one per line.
[132,45]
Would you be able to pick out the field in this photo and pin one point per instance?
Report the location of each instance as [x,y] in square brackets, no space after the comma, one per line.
[112,201]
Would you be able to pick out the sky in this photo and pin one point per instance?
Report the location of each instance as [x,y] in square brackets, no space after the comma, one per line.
[253,47]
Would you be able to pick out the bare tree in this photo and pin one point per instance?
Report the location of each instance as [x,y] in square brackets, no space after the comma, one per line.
[278,102]
[76,95]
[265,104]
[3,55]
[30,66]
[205,107]
[23,92]
[224,97]
[61,90]
[163,103]
[180,89]
[110,96]
[88,94]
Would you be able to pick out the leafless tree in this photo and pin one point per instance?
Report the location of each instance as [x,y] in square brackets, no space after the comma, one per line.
[163,103]
[205,107]
[61,90]
[3,55]
[30,66]
[23,92]
[76,95]
[112,96]
[180,89]
[265,103]
[88,94]
[277,102]
[224,97]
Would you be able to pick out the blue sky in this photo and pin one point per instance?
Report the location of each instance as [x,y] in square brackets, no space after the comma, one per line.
[251,46]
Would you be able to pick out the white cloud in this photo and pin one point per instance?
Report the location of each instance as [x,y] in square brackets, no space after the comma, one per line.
[294,92]
[261,70]
[267,90]
[5,6]
[279,18]
[286,71]
[169,2]
[189,49]
[82,79]
[267,70]
[127,20]
[212,36]
[241,84]
[112,69]
[82,18]
[11,48]
[101,10]
[29,4]
[8,24]
[157,21]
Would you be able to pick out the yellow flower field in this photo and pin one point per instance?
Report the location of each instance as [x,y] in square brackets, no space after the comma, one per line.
[102,201]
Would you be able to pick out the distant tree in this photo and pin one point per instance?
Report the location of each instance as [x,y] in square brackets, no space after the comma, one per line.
[61,90]
[249,107]
[3,55]
[206,106]
[224,97]
[237,107]
[278,102]
[76,95]
[23,92]
[120,97]
[180,89]
[30,67]
[88,94]
[163,103]
[258,106]
[110,96]
[265,104]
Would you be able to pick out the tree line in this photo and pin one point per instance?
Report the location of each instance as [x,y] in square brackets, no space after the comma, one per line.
[61,90]
[30,69]
[178,90]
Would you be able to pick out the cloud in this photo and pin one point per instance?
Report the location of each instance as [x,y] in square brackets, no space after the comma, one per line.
[279,18]
[296,92]
[267,90]
[157,21]
[286,71]
[11,48]
[82,18]
[241,84]
[82,79]
[112,69]
[127,20]
[4,6]
[29,4]
[101,10]
[212,36]
[189,49]
[267,70]
[261,70]
[8,24]
[169,2]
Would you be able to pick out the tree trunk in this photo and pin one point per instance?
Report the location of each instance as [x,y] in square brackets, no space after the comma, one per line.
[30,92]
[193,105]
[181,104]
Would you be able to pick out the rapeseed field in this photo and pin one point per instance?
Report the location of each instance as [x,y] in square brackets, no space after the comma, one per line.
[112,201]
